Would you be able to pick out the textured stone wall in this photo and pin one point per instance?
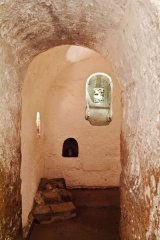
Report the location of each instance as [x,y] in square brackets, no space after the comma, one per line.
[140,155]
[10,152]
[128,33]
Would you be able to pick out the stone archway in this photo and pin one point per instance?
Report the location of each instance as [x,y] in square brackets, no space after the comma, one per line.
[126,32]
[54,85]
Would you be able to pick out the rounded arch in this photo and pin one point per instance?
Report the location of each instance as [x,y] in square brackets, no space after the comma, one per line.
[42,27]
[102,74]
[70,148]
[99,91]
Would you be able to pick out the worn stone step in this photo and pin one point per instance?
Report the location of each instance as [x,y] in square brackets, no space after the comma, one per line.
[63,211]
[51,196]
[57,183]
[39,198]
[53,202]
[48,184]
[45,214]
[66,195]
[42,213]
[42,184]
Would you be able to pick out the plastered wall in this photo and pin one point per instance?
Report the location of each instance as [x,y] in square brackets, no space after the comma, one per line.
[55,86]
[34,92]
[98,163]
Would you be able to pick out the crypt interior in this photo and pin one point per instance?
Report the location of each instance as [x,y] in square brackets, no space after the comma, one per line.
[49,50]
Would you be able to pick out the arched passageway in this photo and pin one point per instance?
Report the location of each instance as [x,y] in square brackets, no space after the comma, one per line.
[126,33]
[54,85]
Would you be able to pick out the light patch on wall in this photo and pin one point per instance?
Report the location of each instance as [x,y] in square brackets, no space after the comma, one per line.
[147,192]
[99,88]
[77,53]
[38,123]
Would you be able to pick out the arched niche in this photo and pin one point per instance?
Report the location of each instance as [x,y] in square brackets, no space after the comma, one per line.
[99,90]
[70,148]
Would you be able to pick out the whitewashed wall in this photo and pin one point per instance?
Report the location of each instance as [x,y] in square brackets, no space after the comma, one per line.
[55,87]
[98,163]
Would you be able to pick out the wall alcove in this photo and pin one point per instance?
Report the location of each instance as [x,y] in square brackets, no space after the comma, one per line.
[70,148]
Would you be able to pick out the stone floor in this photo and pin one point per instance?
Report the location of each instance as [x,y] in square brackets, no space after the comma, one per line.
[97,218]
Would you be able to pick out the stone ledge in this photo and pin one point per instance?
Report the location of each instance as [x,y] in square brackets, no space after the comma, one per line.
[53,204]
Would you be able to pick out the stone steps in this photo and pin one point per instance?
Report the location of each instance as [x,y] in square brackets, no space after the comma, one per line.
[53,202]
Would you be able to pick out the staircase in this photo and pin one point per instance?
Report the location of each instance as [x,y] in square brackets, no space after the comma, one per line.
[53,202]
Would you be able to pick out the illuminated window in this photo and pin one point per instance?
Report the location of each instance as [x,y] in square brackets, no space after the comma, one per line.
[99,90]
[38,123]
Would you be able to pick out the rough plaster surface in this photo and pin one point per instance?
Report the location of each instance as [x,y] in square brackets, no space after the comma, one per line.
[127,32]
[10,152]
[61,103]
[140,153]
[98,163]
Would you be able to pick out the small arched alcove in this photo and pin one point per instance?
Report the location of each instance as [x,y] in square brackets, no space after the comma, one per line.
[70,148]
[99,99]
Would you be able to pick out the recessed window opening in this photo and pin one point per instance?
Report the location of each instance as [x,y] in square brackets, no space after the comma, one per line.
[99,88]
[38,123]
[70,148]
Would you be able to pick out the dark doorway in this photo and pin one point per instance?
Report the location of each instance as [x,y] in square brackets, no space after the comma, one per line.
[70,148]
